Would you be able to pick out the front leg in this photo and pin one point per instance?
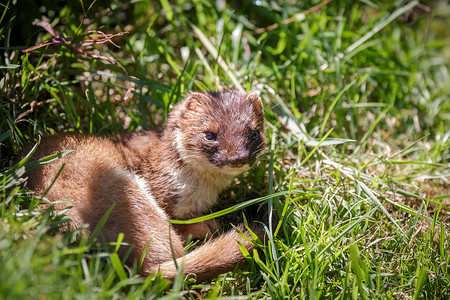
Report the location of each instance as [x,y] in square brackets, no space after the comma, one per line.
[200,230]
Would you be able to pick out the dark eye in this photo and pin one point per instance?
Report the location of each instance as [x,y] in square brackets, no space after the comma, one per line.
[210,136]
[254,135]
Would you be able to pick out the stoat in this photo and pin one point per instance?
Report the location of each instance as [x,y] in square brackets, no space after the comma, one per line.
[154,176]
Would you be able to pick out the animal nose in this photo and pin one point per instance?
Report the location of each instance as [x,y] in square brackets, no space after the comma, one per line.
[237,161]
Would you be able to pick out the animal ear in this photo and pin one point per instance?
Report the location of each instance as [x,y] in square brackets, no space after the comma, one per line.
[194,102]
[255,100]
[197,98]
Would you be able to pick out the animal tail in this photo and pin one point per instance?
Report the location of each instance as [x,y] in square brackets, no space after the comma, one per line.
[213,258]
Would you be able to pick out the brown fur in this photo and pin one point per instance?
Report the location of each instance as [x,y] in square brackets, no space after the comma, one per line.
[151,177]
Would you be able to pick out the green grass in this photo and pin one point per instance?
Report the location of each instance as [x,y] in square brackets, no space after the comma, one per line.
[363,213]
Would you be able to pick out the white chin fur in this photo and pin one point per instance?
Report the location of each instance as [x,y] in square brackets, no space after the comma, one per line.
[233,170]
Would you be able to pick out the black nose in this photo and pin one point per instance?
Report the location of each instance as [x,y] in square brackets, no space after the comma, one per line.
[237,161]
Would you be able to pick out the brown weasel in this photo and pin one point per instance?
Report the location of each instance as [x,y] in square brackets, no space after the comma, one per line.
[152,177]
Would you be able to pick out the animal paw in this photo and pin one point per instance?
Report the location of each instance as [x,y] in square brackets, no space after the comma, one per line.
[202,230]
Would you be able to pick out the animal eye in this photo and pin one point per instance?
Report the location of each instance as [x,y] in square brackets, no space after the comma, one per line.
[254,135]
[210,136]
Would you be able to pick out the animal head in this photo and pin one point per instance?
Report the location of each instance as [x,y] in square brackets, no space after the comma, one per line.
[219,130]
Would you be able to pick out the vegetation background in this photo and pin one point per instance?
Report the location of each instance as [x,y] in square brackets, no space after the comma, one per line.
[355,179]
